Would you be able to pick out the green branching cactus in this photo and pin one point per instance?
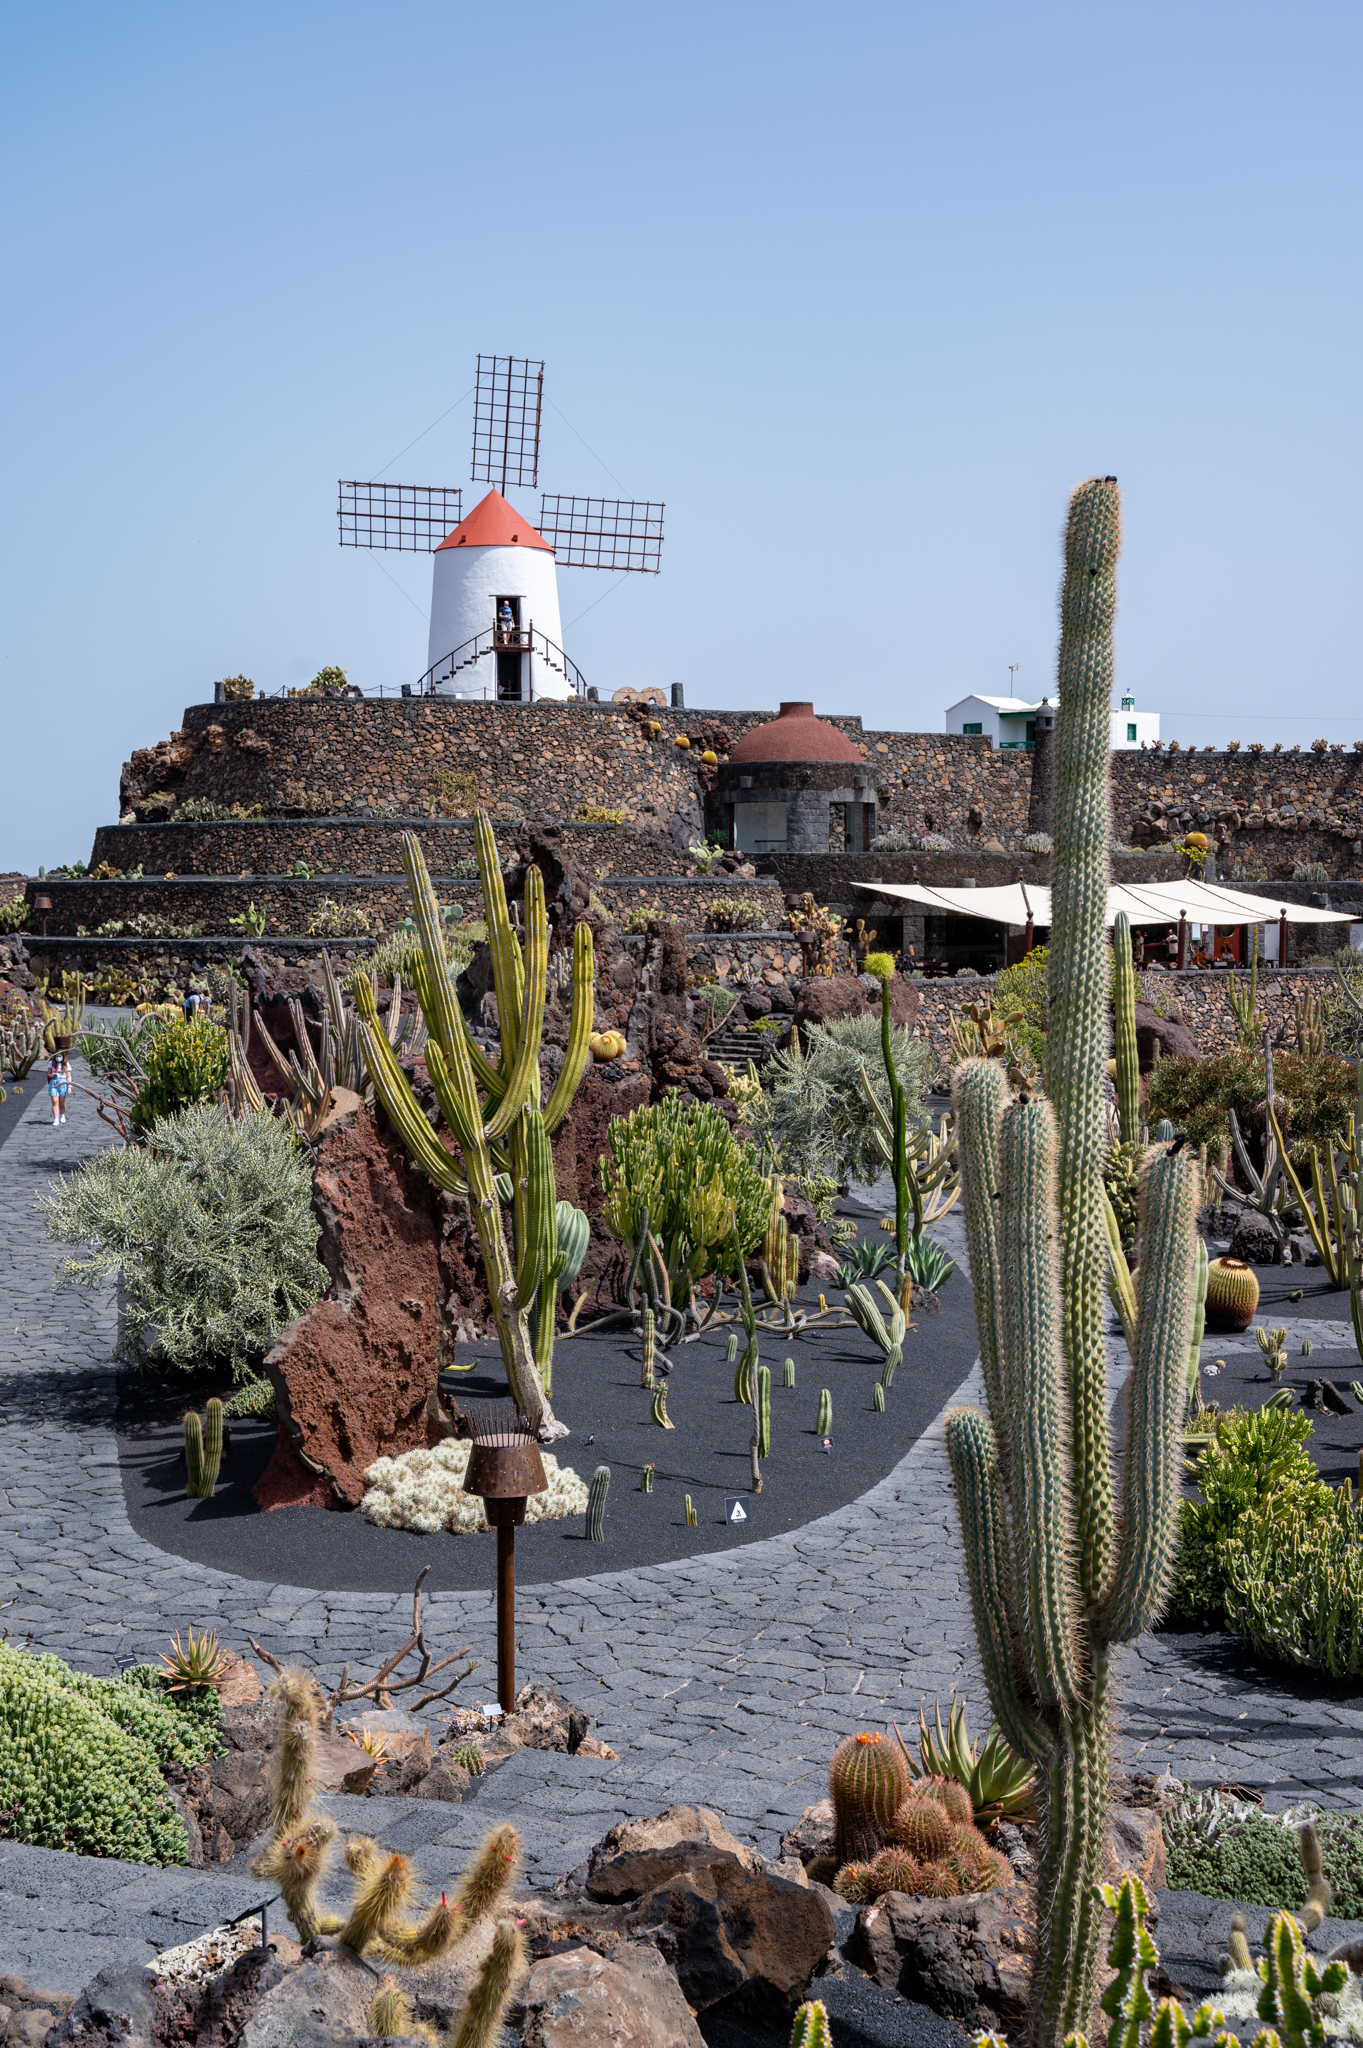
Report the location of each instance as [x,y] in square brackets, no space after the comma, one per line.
[596,1504]
[1060,1571]
[494,1111]
[888,1337]
[203,1450]
[878,1398]
[1124,1030]
[658,1407]
[692,1518]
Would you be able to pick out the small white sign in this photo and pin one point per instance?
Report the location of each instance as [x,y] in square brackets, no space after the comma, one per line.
[734,1511]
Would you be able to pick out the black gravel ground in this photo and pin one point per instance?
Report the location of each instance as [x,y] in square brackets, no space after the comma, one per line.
[1240,1378]
[20,1095]
[597,1392]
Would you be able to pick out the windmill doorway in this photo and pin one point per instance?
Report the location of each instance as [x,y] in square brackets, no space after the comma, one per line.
[508,641]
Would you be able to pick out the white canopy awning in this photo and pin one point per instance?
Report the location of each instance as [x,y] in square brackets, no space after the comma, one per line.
[1145,903]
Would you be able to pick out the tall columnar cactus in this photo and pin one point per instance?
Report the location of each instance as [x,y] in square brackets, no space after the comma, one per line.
[648,1345]
[763,1403]
[596,1504]
[1059,1571]
[1124,1030]
[811,2028]
[494,1111]
[823,1423]
[203,1450]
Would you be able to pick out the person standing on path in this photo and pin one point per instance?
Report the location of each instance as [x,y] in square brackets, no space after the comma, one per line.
[58,1085]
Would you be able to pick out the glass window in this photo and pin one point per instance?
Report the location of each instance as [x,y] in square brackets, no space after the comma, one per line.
[1131,732]
[972,728]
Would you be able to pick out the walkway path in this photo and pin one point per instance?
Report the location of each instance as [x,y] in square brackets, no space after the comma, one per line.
[725,1679]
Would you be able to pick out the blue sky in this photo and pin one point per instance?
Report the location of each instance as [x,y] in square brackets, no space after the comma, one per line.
[859,292]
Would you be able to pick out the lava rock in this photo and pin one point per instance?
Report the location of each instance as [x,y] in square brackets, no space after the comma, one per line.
[968,1958]
[827,999]
[1256,1242]
[353,1376]
[1172,1036]
[630,2001]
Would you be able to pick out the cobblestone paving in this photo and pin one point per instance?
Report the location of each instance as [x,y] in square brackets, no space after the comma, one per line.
[725,1679]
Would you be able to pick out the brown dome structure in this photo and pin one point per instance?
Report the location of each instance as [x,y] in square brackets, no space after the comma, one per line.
[794,785]
[795,734]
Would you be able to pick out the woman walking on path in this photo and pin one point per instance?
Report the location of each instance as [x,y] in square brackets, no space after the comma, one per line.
[58,1085]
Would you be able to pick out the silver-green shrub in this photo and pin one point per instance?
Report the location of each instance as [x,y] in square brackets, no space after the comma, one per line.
[814,1112]
[211,1226]
[80,1761]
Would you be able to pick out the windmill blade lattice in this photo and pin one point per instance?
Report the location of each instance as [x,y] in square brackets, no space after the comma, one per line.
[412,517]
[603,533]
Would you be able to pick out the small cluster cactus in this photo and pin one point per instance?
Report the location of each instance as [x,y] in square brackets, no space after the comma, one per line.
[203,1450]
[299,1852]
[898,1833]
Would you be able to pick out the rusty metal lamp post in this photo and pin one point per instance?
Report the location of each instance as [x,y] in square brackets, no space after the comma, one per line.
[43,904]
[504,1469]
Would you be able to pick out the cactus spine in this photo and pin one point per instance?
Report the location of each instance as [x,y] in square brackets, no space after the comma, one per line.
[1058,1576]
[648,1343]
[509,1131]
[823,1425]
[596,1504]
[1124,1030]
[203,1451]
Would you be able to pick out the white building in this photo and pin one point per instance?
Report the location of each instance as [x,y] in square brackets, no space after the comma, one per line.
[1011,721]
[495,626]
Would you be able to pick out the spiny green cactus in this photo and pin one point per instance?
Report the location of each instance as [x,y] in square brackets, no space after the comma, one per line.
[648,1344]
[658,1407]
[878,1398]
[503,1129]
[692,1518]
[788,1373]
[1124,1030]
[811,2028]
[1059,1573]
[480,2024]
[823,1425]
[868,1781]
[646,1478]
[764,1411]
[1163,1133]
[747,1364]
[780,1251]
[731,1348]
[1201,1266]
[203,1450]
[596,1504]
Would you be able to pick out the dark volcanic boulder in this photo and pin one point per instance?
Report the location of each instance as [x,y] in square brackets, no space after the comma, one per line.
[353,1376]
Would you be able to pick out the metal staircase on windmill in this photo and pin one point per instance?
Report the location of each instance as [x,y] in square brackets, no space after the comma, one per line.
[620,534]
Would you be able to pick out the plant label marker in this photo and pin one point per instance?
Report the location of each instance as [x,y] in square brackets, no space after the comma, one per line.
[827,1446]
[735,1510]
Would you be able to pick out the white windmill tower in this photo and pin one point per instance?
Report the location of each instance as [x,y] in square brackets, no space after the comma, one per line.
[495,632]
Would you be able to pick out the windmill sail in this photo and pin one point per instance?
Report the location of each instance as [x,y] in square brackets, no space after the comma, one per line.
[507,398]
[603,533]
[414,517]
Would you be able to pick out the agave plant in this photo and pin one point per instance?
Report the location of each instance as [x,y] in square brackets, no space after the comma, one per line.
[200,1661]
[1001,1784]
[864,1262]
[927,1263]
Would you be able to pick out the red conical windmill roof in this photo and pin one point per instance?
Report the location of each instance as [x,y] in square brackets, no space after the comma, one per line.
[494,524]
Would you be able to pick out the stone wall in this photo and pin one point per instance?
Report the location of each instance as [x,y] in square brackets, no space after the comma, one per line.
[320,758]
[356,846]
